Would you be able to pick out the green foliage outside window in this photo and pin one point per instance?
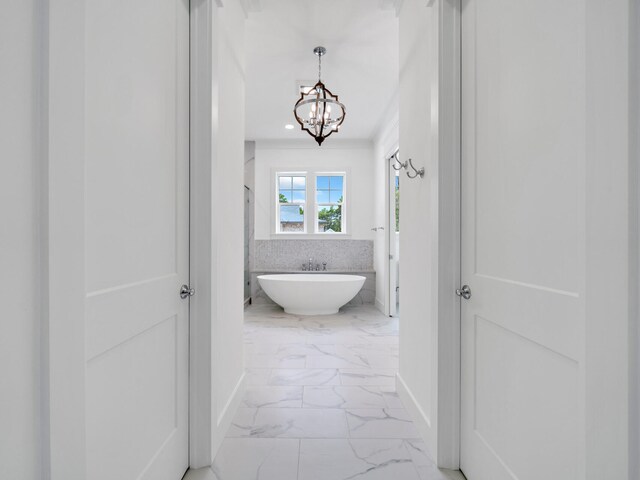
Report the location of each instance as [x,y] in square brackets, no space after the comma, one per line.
[283,199]
[332,217]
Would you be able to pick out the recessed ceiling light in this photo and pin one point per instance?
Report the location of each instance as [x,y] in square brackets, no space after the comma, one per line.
[288,126]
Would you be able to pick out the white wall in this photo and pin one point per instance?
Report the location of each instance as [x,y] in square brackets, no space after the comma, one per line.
[354,156]
[20,172]
[227,223]
[419,207]
[385,143]
[217,178]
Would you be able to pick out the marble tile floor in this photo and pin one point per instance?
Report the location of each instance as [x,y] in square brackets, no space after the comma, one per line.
[321,404]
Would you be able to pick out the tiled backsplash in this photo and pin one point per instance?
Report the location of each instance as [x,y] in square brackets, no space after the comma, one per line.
[285,255]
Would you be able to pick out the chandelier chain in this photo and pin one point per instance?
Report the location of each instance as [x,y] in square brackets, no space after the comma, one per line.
[319,68]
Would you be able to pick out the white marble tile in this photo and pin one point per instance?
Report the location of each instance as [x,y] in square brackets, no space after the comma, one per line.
[354,337]
[361,376]
[343,397]
[391,397]
[260,349]
[380,423]
[272,397]
[366,349]
[305,349]
[273,336]
[289,423]
[257,458]
[276,361]
[200,474]
[334,360]
[243,422]
[257,376]
[355,459]
[383,361]
[426,466]
[324,376]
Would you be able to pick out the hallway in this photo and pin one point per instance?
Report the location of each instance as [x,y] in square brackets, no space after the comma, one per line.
[321,402]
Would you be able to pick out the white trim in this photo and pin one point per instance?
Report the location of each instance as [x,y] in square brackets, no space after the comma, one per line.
[634,291]
[380,306]
[310,213]
[63,340]
[609,186]
[448,158]
[422,421]
[276,194]
[202,91]
[223,422]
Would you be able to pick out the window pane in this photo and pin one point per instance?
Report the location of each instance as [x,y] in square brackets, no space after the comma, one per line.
[291,218]
[285,196]
[299,196]
[336,196]
[336,183]
[299,183]
[322,182]
[285,183]
[323,196]
[329,218]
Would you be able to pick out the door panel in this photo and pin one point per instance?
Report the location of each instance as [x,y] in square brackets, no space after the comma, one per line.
[523,98]
[137,239]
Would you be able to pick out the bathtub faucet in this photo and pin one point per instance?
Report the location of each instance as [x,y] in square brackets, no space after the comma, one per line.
[310,268]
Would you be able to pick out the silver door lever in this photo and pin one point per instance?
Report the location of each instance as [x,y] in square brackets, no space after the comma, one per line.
[464,292]
[186,291]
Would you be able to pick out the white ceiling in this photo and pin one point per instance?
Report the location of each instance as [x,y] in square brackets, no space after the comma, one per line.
[361,64]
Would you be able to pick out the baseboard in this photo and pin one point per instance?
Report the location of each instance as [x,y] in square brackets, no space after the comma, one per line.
[380,306]
[420,419]
[247,302]
[228,412]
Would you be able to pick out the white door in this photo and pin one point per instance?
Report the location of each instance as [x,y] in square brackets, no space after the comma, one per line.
[137,210]
[523,240]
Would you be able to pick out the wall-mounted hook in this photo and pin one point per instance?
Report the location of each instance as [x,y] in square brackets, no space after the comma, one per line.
[419,172]
[397,162]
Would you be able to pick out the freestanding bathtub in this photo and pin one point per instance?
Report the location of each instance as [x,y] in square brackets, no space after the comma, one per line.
[311,293]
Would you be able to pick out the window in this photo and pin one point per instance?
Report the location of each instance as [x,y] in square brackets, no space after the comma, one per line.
[292,195]
[329,204]
[296,211]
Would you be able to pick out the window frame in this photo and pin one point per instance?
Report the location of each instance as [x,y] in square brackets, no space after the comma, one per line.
[343,204]
[304,204]
[310,207]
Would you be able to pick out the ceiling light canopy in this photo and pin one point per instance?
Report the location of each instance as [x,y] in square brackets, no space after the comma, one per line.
[318,111]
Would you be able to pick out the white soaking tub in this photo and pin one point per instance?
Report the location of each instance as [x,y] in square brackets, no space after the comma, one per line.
[311,294]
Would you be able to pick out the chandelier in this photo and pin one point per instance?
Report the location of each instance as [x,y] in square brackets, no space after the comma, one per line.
[318,111]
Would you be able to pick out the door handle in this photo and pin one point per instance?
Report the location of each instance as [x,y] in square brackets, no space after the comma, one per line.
[464,292]
[186,291]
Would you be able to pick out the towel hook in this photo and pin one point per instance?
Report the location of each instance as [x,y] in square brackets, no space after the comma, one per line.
[419,172]
[398,162]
